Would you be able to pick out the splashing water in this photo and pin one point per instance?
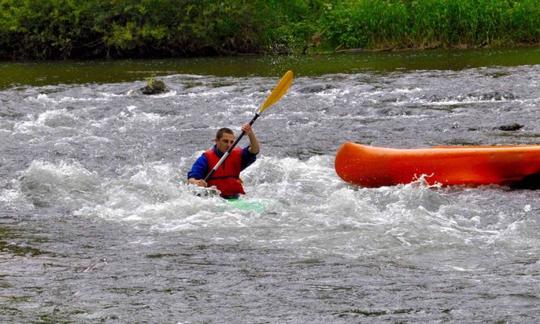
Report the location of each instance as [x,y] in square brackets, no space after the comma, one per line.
[98,221]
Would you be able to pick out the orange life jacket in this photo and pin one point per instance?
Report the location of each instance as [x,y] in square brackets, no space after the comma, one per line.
[227,176]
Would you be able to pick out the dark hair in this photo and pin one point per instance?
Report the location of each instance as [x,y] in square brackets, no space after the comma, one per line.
[222,131]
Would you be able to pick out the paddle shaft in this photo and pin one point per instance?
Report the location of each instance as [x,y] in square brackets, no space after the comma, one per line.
[226,154]
[278,92]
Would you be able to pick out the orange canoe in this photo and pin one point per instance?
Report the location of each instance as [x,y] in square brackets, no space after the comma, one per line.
[369,166]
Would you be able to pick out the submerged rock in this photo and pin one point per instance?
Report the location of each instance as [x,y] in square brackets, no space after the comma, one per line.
[316,88]
[154,87]
[510,127]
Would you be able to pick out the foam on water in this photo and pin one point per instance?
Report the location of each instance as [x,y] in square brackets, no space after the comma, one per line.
[45,183]
[47,120]
[306,206]
[48,99]
[100,220]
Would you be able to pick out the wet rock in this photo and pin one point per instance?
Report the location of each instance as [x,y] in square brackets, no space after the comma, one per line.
[510,127]
[316,88]
[154,87]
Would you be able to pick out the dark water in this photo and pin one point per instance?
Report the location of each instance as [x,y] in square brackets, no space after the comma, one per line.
[97,225]
[75,72]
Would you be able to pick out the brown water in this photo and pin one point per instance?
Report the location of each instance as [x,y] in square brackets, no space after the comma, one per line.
[70,72]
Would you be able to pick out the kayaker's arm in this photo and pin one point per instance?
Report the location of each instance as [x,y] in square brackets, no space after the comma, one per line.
[198,171]
[254,146]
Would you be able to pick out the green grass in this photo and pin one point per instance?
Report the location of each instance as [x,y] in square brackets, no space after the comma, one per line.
[383,24]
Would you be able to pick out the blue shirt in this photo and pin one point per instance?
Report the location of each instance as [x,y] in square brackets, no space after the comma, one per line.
[200,169]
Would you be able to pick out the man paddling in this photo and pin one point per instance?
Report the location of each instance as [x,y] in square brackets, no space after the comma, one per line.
[227,177]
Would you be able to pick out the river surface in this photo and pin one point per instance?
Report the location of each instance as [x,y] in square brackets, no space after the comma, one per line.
[98,225]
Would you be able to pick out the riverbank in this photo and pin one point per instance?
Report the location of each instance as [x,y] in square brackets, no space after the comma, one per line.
[64,29]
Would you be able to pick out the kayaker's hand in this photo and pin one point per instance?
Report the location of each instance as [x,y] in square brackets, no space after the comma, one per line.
[198,182]
[246,128]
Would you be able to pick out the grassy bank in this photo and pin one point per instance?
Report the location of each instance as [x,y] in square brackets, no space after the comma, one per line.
[380,24]
[59,29]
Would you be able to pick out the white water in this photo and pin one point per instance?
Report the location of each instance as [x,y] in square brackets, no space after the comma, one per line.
[93,176]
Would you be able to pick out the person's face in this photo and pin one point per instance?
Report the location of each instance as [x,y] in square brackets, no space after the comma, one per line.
[225,142]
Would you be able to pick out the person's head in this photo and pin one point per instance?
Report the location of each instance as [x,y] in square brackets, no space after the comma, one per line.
[224,139]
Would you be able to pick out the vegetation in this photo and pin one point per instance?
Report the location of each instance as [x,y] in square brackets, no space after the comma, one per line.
[433,23]
[60,29]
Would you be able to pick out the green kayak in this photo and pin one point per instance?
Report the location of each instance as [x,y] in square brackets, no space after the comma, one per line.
[247,205]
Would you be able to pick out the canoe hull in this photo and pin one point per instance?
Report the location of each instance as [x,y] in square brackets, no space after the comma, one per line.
[370,166]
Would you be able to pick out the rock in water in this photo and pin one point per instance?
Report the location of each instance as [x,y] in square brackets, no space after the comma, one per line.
[154,87]
[511,127]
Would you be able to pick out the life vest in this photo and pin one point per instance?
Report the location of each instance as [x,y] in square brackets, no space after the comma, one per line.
[227,176]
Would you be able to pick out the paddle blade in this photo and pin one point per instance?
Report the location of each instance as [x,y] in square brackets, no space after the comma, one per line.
[278,92]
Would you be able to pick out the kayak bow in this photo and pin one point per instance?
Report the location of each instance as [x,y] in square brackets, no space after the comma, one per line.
[370,166]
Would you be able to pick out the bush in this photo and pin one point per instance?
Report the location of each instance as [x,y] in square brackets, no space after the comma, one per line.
[59,29]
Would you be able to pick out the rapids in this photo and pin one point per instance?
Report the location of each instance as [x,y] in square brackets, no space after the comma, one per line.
[98,225]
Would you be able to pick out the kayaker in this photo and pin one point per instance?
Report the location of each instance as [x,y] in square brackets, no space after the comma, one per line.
[227,177]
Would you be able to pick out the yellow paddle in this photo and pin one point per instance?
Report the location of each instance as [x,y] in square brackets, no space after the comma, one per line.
[278,92]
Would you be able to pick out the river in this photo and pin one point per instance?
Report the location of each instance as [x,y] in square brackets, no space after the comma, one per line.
[98,225]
